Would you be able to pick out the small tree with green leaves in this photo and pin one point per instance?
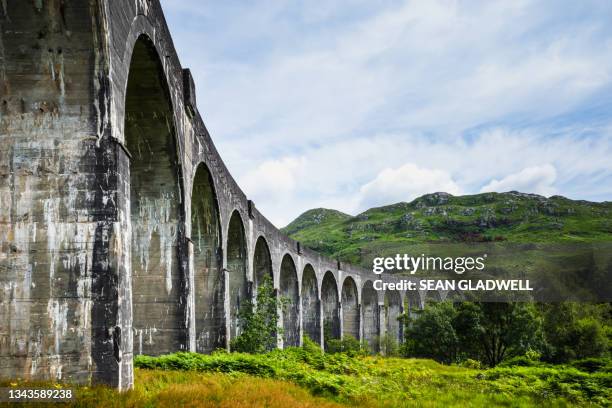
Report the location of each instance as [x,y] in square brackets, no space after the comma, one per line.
[259,321]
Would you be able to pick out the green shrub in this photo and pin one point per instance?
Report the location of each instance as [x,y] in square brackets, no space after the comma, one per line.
[388,345]
[519,361]
[591,365]
[259,321]
[348,345]
[469,363]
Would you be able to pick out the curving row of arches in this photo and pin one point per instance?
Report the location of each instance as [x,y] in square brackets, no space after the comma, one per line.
[185,294]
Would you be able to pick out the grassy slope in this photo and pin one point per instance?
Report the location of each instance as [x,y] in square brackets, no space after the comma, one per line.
[305,377]
[396,382]
[442,218]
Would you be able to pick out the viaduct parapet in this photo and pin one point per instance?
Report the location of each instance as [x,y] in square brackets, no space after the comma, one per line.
[121,230]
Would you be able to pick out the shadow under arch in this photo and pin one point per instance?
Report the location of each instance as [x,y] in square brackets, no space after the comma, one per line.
[370,319]
[156,208]
[350,308]
[288,287]
[310,304]
[331,307]
[393,310]
[237,270]
[262,263]
[208,280]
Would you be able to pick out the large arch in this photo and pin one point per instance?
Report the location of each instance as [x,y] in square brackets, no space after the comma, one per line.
[208,281]
[393,310]
[350,308]
[369,308]
[310,305]
[433,296]
[290,313]
[156,207]
[262,263]
[412,303]
[237,270]
[331,306]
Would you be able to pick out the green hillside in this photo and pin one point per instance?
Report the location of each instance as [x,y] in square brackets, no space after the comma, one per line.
[441,218]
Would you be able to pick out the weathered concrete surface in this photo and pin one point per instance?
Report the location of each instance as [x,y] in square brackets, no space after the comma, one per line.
[331,306]
[121,229]
[370,315]
[350,308]
[237,272]
[310,305]
[393,309]
[289,290]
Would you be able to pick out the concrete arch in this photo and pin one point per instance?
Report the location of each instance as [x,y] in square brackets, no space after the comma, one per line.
[433,296]
[350,308]
[311,318]
[262,263]
[331,306]
[289,289]
[236,270]
[393,310]
[453,296]
[412,303]
[141,26]
[208,282]
[370,315]
[157,209]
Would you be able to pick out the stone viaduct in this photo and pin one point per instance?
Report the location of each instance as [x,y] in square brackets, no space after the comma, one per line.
[121,230]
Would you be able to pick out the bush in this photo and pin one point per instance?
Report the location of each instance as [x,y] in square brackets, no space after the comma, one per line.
[348,345]
[575,331]
[259,321]
[591,365]
[469,363]
[388,346]
[519,361]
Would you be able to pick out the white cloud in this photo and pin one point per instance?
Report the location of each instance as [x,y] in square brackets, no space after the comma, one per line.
[314,105]
[352,175]
[272,179]
[537,179]
[405,183]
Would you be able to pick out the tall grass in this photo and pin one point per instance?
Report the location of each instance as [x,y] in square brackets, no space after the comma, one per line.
[380,381]
[161,388]
[306,377]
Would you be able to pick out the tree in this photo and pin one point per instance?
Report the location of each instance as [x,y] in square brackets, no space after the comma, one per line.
[487,332]
[508,329]
[574,331]
[431,333]
[259,321]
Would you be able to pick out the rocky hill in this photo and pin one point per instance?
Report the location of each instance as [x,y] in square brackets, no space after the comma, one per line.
[511,217]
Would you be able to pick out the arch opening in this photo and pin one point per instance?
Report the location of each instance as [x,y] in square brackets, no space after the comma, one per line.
[369,307]
[393,310]
[433,296]
[290,313]
[262,263]
[156,208]
[237,270]
[310,305]
[331,307]
[208,281]
[350,309]
[413,303]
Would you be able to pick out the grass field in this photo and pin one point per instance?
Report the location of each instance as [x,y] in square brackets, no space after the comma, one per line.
[307,378]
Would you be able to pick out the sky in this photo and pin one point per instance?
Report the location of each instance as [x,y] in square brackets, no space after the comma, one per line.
[355,104]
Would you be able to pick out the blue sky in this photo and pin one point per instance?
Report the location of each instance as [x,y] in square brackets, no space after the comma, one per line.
[350,105]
